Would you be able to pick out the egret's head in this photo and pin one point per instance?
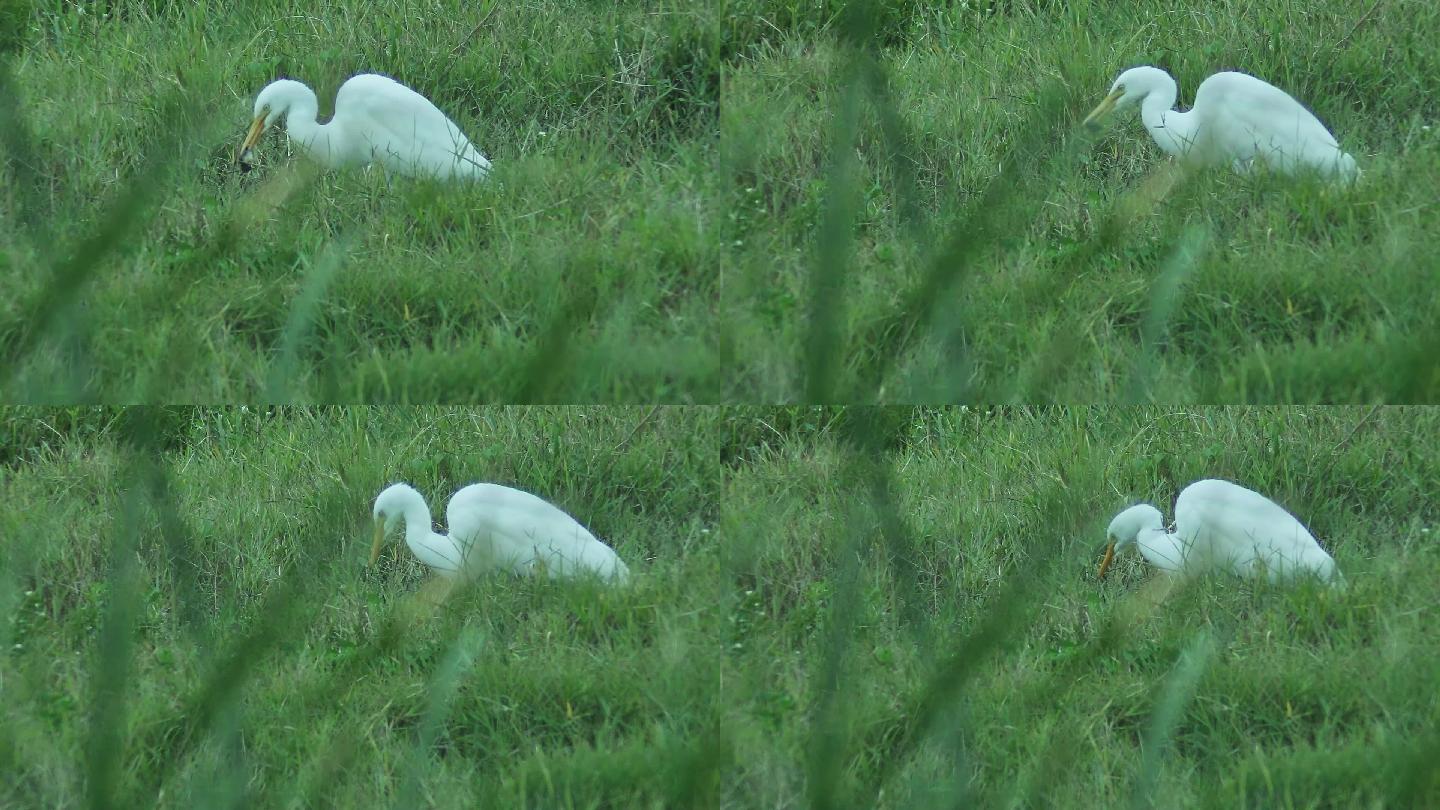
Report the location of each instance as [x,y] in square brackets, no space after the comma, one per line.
[1129,89]
[273,103]
[1126,528]
[390,508]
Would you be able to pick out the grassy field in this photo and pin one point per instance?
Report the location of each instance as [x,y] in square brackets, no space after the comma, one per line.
[920,218]
[139,264]
[712,202]
[831,608]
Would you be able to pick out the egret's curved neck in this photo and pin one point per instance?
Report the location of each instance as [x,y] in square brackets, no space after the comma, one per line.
[301,125]
[1172,130]
[417,521]
[1155,534]
[1144,536]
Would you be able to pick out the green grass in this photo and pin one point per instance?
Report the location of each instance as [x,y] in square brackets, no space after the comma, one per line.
[710,202]
[185,596]
[926,204]
[831,608]
[581,272]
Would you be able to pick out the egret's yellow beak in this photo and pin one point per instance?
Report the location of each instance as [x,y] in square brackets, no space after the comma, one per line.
[1109,558]
[1104,108]
[379,539]
[252,136]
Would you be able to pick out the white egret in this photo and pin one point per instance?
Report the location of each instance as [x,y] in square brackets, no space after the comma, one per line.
[494,527]
[377,120]
[1237,120]
[1221,526]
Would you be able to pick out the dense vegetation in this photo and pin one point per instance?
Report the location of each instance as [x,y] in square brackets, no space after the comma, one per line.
[891,608]
[740,201]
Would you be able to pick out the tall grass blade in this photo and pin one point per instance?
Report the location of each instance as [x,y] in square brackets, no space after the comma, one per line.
[18,145]
[1001,625]
[286,368]
[1164,300]
[52,309]
[1175,695]
[981,229]
[867,456]
[114,652]
[444,683]
[827,744]
[827,279]
[541,377]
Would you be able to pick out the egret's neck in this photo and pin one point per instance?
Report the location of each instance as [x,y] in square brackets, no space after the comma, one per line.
[417,521]
[1172,130]
[318,139]
[1154,534]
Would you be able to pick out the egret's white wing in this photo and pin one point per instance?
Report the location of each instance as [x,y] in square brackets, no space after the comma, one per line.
[405,130]
[567,555]
[521,530]
[1247,118]
[1245,531]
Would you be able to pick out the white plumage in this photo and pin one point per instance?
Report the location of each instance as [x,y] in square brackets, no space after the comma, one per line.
[494,527]
[1237,120]
[377,120]
[1222,526]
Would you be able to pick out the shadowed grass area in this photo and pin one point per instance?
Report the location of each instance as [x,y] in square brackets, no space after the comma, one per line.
[830,608]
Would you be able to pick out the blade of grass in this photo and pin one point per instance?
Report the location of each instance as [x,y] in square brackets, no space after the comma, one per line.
[285,369]
[827,745]
[19,145]
[980,229]
[50,310]
[832,256]
[445,682]
[1175,695]
[541,376]
[867,451]
[110,673]
[1164,299]
[1001,625]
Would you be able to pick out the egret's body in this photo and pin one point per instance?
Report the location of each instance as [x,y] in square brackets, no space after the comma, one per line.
[377,120]
[1237,120]
[1222,526]
[495,528]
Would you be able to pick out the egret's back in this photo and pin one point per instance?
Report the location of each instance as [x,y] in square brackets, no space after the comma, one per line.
[1253,119]
[514,530]
[410,134]
[1232,527]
